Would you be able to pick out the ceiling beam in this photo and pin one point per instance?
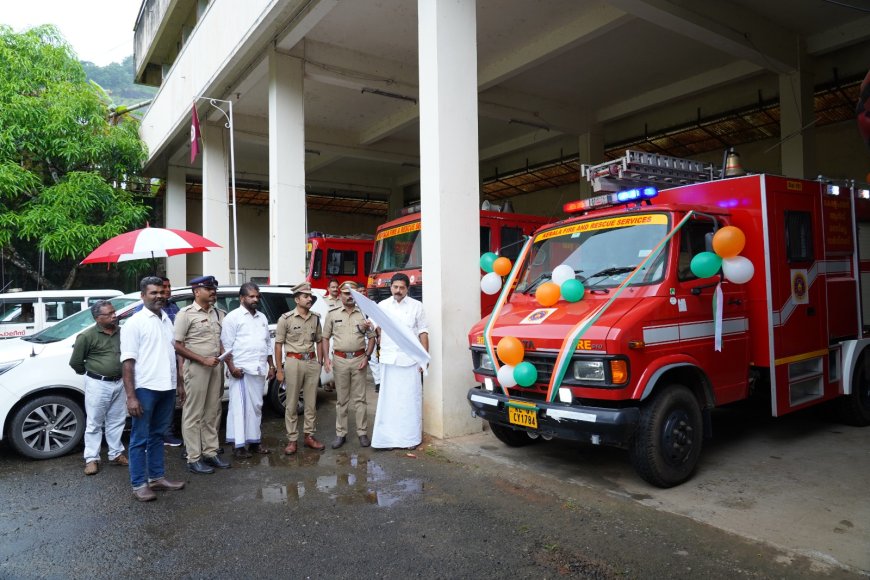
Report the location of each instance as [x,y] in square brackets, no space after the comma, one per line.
[733,29]
[839,37]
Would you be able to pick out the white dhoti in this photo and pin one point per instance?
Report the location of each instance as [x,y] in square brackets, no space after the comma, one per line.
[399,416]
[245,409]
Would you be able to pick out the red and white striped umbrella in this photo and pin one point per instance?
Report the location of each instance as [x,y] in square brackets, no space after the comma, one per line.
[149,243]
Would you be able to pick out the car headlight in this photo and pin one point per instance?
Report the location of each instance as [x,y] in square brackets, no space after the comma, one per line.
[9,365]
[486,362]
[589,370]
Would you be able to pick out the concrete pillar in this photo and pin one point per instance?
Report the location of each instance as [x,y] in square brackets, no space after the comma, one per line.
[450,189]
[591,152]
[175,212]
[396,201]
[287,209]
[215,188]
[797,131]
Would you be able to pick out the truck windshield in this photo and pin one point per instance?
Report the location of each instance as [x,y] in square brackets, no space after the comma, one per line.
[400,251]
[602,252]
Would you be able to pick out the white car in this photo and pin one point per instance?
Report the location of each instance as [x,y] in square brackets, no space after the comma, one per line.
[26,313]
[42,398]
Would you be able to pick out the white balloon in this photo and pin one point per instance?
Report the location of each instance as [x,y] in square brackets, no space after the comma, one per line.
[490,283]
[737,269]
[506,376]
[562,273]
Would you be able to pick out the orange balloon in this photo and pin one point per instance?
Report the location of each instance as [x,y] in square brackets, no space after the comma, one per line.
[502,266]
[728,242]
[548,294]
[510,351]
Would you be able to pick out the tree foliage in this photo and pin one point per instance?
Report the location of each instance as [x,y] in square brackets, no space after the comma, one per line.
[65,169]
[117,80]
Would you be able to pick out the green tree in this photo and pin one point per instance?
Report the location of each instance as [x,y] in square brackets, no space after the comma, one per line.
[66,172]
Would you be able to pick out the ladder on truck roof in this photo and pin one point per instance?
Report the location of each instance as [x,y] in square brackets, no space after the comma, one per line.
[638,169]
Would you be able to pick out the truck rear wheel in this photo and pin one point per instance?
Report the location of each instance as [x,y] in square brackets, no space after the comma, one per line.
[511,437]
[668,441]
[854,409]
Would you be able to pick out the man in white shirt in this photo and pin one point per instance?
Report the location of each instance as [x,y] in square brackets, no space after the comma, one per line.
[399,416]
[150,381]
[245,336]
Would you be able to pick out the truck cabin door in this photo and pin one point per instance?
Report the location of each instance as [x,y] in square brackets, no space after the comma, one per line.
[693,304]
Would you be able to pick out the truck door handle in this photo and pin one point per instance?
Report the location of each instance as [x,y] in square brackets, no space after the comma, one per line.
[811,311]
[736,301]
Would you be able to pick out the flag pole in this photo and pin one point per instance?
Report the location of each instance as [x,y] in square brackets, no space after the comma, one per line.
[228,115]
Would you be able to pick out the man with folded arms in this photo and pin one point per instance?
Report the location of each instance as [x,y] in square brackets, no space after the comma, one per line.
[97,355]
[198,341]
[298,335]
[150,379]
[348,327]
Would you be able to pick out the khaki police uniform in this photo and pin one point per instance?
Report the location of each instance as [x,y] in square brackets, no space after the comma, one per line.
[331,302]
[200,331]
[300,336]
[348,331]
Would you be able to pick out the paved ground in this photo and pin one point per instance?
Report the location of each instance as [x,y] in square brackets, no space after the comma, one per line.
[463,508]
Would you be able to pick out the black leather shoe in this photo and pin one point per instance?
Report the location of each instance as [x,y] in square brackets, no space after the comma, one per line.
[216,461]
[199,467]
[338,441]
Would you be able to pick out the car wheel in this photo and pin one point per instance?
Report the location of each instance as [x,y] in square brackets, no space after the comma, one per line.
[511,437]
[277,398]
[667,445]
[47,427]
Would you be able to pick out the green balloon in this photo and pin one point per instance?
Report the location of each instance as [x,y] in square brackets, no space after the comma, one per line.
[525,374]
[572,290]
[486,261]
[705,264]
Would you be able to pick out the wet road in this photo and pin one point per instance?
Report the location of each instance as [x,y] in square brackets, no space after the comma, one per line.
[353,513]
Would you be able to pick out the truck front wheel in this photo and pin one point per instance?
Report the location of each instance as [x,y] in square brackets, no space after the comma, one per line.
[511,437]
[668,441]
[854,409]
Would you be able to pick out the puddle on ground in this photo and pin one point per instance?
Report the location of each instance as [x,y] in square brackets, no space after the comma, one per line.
[357,480]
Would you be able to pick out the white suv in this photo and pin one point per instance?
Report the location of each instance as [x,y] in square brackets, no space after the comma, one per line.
[42,398]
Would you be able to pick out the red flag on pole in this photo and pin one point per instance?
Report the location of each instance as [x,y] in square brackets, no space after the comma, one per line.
[194,134]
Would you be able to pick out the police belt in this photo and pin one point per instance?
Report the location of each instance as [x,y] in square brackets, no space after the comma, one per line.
[302,355]
[348,354]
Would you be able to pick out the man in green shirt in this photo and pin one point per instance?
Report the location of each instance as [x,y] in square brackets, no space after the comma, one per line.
[97,356]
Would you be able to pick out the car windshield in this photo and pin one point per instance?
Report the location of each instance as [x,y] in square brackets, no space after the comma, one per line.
[398,249]
[601,252]
[74,324]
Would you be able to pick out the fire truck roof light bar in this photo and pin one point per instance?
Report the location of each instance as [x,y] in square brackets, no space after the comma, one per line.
[638,194]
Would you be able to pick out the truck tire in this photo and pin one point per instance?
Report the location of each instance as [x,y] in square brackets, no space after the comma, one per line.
[854,409]
[511,437]
[47,427]
[277,395]
[669,437]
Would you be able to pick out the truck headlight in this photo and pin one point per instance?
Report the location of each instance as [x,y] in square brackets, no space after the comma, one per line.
[589,370]
[9,365]
[486,362]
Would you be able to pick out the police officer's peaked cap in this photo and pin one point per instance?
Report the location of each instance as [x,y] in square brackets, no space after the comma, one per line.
[304,288]
[349,285]
[204,282]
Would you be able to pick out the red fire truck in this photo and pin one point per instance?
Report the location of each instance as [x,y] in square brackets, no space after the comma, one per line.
[397,249]
[649,349]
[345,258]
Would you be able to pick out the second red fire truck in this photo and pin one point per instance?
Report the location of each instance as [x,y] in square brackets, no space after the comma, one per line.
[649,348]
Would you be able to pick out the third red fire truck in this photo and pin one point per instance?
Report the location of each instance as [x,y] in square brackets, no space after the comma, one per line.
[649,348]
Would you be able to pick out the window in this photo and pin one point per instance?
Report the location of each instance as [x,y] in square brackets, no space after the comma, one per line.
[693,241]
[367,264]
[341,262]
[317,265]
[16,311]
[798,236]
[511,243]
[59,309]
[484,239]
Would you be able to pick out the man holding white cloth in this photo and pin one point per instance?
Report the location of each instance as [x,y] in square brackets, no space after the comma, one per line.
[399,416]
[245,336]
